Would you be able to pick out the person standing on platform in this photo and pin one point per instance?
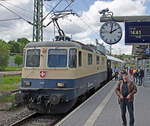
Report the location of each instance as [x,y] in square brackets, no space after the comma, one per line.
[131,72]
[116,70]
[125,91]
[120,76]
[141,76]
[135,75]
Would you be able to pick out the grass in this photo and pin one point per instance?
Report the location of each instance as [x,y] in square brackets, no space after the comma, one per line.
[6,98]
[8,82]
[12,68]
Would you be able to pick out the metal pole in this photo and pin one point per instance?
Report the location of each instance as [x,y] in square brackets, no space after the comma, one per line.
[37,21]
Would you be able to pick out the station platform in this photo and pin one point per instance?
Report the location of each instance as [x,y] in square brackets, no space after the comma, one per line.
[102,109]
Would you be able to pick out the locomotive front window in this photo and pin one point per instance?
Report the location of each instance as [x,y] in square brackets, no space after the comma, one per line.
[33,58]
[57,58]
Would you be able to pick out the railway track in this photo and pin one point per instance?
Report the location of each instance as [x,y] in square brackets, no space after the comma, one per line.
[18,118]
[29,118]
[43,120]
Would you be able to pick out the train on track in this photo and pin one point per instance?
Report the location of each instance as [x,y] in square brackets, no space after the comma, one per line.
[57,73]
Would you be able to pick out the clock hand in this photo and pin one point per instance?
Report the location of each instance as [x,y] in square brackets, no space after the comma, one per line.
[114,30]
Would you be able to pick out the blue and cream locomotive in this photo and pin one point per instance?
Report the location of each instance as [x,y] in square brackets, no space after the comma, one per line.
[55,74]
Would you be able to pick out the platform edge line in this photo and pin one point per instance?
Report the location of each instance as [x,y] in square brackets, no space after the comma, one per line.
[92,119]
[61,122]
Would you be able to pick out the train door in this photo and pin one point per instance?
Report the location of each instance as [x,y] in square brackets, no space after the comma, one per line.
[109,70]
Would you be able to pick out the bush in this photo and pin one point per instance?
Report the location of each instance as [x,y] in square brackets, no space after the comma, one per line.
[18,60]
[4,55]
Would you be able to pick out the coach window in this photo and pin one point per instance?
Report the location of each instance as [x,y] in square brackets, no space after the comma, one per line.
[97,60]
[73,58]
[33,58]
[80,58]
[89,59]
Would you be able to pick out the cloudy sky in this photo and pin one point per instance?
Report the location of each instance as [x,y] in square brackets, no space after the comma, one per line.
[84,28]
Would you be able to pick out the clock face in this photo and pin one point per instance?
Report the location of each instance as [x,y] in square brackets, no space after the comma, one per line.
[111,32]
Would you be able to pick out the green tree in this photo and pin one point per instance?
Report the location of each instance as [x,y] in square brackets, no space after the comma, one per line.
[22,42]
[4,55]
[18,60]
[14,47]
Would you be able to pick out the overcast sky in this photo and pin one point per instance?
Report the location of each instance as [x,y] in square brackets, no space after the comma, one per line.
[84,28]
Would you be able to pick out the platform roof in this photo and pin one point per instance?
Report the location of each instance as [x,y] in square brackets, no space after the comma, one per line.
[114,59]
[139,51]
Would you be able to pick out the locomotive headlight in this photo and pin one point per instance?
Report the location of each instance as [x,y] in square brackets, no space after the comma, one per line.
[27,83]
[60,84]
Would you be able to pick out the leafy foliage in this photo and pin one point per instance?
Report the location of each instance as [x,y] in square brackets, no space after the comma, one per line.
[14,47]
[22,42]
[11,47]
[4,55]
[17,46]
[18,59]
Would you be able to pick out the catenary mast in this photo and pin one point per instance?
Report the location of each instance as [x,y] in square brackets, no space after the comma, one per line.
[37,21]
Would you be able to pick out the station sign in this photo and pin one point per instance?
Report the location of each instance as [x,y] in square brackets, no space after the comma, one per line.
[137,33]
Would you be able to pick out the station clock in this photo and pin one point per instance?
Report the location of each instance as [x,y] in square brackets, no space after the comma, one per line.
[111,32]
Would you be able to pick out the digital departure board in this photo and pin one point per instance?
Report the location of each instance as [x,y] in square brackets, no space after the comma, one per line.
[137,32]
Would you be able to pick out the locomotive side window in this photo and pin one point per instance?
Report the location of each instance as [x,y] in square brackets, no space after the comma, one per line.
[103,60]
[80,58]
[57,58]
[72,58]
[33,58]
[89,59]
[97,60]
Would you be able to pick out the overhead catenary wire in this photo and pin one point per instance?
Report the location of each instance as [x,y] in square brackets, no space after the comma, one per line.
[52,10]
[25,10]
[55,7]
[86,6]
[91,28]
[60,12]
[10,19]
[47,6]
[68,4]
[16,14]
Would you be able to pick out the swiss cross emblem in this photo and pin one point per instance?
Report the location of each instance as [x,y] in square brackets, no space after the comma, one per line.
[42,74]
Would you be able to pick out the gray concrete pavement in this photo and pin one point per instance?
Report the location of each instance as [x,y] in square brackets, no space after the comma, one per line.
[111,113]
[103,109]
